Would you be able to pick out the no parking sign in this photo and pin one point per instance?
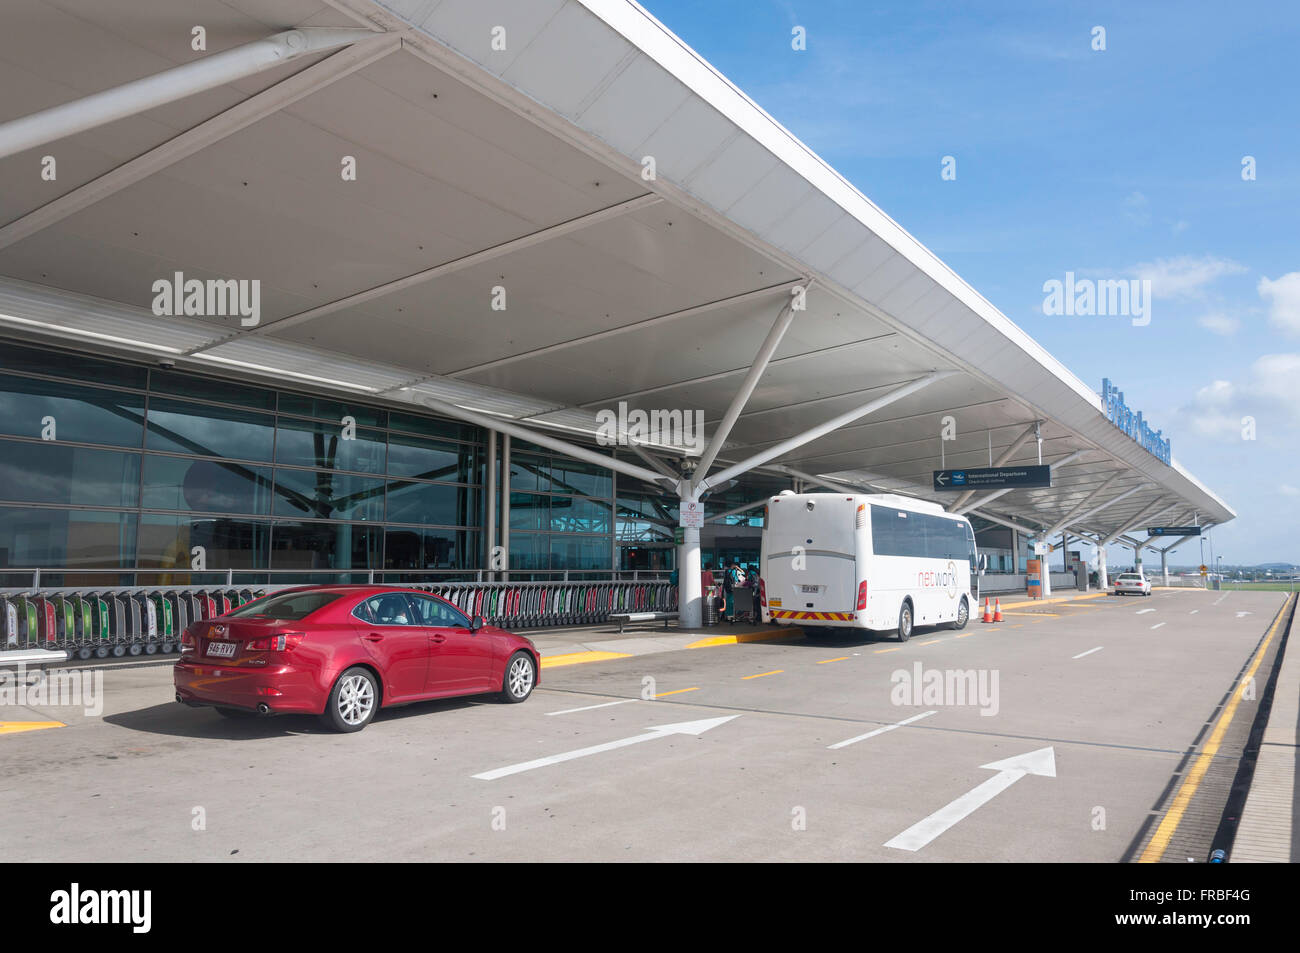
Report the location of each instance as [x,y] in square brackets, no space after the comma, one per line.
[692,514]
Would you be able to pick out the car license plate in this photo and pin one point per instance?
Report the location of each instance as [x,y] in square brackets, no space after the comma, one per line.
[810,589]
[222,649]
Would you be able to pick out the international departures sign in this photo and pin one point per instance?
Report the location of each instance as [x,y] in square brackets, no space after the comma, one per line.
[1112,401]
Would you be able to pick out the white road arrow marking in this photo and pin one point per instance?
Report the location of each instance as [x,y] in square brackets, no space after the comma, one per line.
[651,734]
[1144,611]
[1010,770]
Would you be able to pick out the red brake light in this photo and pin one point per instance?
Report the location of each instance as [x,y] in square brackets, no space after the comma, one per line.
[284,642]
[862,594]
[187,641]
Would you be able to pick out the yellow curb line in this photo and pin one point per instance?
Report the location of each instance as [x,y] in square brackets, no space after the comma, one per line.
[745,637]
[15,727]
[577,658]
[1052,599]
[1173,817]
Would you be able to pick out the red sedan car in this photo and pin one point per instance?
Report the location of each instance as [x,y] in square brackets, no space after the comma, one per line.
[344,652]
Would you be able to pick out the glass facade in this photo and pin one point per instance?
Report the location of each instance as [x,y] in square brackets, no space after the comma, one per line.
[561,515]
[175,478]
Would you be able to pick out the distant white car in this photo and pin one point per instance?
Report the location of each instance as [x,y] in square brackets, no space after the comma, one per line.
[1132,583]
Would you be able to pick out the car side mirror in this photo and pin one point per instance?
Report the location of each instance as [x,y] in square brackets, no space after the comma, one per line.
[476,624]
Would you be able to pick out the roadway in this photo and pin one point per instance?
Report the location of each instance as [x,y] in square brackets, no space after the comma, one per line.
[1095,708]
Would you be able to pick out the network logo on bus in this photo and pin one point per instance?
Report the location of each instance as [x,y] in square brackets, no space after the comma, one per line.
[945,580]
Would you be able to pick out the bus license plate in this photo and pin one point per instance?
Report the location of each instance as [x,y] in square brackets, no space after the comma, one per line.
[813,590]
[222,649]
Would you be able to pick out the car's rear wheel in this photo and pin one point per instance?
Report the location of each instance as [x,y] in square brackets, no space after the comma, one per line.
[520,677]
[905,622]
[353,701]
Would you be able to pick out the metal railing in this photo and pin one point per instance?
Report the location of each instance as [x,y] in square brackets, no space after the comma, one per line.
[133,620]
[230,578]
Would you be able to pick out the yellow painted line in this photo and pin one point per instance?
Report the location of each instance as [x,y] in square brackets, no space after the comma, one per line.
[965,634]
[678,691]
[896,648]
[931,642]
[15,727]
[792,632]
[577,658]
[776,671]
[1173,817]
[1052,599]
[842,658]
[1052,615]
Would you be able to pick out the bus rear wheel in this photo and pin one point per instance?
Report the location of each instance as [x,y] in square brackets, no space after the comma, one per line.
[905,622]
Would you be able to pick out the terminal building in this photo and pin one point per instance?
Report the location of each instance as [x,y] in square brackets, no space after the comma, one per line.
[465,292]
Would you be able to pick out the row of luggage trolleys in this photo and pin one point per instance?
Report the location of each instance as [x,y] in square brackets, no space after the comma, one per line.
[117,622]
[533,605]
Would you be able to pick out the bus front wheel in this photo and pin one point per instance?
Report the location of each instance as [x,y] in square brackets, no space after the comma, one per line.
[905,622]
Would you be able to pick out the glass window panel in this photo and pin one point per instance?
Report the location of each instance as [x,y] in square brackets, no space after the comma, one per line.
[529,552]
[30,407]
[432,427]
[424,549]
[182,427]
[209,486]
[48,472]
[573,476]
[529,511]
[574,514]
[431,459]
[326,495]
[167,542]
[70,364]
[207,388]
[332,410]
[325,546]
[433,503]
[56,538]
[528,472]
[301,443]
[580,552]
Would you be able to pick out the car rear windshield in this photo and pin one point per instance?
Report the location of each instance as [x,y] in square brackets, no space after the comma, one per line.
[292,606]
[1130,577]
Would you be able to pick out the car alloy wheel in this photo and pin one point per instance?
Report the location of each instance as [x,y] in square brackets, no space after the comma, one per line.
[356,699]
[521,676]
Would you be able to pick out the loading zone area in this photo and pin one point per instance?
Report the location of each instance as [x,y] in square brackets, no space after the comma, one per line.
[1099,729]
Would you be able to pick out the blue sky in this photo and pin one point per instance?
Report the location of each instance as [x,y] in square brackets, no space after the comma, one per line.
[1119,163]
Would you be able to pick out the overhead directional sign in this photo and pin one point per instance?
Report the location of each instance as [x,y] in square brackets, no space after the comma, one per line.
[993,478]
[1173,531]
[1010,770]
[650,734]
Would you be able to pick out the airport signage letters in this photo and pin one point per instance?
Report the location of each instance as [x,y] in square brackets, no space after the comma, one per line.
[1118,413]
[993,478]
[1173,531]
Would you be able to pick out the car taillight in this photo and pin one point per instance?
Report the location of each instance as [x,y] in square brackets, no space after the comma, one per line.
[284,642]
[762,593]
[862,594]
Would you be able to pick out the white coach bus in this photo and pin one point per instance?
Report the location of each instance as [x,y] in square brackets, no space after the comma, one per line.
[866,561]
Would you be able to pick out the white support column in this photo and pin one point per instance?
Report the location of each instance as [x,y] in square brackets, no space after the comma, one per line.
[1102,582]
[505,506]
[690,598]
[130,99]
[1164,566]
[490,530]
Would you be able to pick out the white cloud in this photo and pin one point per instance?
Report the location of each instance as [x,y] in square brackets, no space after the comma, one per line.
[1137,209]
[1219,324]
[1269,392]
[1184,276]
[1283,296]
[1287,490]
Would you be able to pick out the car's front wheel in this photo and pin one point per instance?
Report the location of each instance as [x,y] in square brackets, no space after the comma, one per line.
[520,677]
[353,701]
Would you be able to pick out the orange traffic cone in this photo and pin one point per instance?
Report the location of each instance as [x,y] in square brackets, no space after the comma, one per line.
[988,613]
[997,610]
